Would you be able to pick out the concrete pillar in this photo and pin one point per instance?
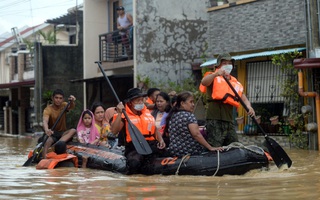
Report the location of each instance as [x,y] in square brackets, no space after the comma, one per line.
[14,122]
[6,110]
[24,102]
[38,87]
[13,63]
[21,65]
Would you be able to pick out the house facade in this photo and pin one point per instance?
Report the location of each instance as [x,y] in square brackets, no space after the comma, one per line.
[253,31]
[26,69]
[167,37]
[17,76]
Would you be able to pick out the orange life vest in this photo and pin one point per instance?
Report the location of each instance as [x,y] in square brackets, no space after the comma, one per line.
[52,159]
[149,101]
[203,88]
[144,122]
[222,91]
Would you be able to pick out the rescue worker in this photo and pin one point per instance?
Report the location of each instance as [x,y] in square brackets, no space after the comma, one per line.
[141,117]
[221,101]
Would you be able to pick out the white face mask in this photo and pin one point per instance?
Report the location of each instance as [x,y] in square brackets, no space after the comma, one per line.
[138,107]
[227,68]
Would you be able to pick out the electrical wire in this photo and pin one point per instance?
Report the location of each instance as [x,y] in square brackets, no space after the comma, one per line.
[6,12]
[10,11]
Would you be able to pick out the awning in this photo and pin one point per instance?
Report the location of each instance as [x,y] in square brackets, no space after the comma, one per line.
[100,78]
[29,83]
[253,55]
[306,63]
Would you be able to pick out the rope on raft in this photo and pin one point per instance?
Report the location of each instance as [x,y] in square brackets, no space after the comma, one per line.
[184,158]
[218,165]
[252,148]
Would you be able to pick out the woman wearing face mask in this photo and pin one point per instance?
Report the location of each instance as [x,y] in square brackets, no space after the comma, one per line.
[140,116]
[221,100]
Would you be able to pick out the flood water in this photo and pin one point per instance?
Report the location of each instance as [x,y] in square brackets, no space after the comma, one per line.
[301,181]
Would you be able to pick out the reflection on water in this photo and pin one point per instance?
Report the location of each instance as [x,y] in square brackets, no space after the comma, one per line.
[301,181]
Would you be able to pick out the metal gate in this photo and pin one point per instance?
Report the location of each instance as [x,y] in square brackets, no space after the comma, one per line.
[264,91]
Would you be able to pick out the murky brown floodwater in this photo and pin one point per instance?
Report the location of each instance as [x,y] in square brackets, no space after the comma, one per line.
[301,181]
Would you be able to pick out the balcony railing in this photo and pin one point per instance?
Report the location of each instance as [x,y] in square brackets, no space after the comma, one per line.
[116,46]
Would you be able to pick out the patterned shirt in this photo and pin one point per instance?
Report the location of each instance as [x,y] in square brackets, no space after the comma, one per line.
[83,135]
[181,140]
[102,130]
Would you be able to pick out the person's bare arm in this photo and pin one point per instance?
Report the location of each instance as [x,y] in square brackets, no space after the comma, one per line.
[84,161]
[118,25]
[248,104]
[161,144]
[129,17]
[80,138]
[195,132]
[149,106]
[117,124]
[45,121]
[72,100]
[208,79]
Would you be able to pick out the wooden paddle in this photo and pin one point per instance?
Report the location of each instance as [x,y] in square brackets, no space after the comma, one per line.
[37,151]
[138,140]
[279,156]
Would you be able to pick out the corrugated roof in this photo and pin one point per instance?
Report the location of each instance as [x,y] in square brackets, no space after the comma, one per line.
[67,19]
[28,31]
[17,84]
[253,55]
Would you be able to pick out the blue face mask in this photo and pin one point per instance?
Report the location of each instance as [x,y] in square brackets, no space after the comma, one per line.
[138,107]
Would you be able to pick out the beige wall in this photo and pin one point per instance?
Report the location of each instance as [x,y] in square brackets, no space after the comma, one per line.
[4,66]
[62,39]
[62,36]
[95,20]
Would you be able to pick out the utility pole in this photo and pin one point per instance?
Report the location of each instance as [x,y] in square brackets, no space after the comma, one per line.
[312,19]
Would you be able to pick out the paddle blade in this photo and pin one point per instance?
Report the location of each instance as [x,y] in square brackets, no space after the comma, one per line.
[279,156]
[138,140]
[32,159]
[29,161]
[35,155]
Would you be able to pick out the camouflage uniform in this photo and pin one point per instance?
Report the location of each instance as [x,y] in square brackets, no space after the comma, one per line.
[219,116]
[221,133]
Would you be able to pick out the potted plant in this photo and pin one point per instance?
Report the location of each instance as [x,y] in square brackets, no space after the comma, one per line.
[262,116]
[274,120]
[291,121]
[240,120]
[286,129]
[258,119]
